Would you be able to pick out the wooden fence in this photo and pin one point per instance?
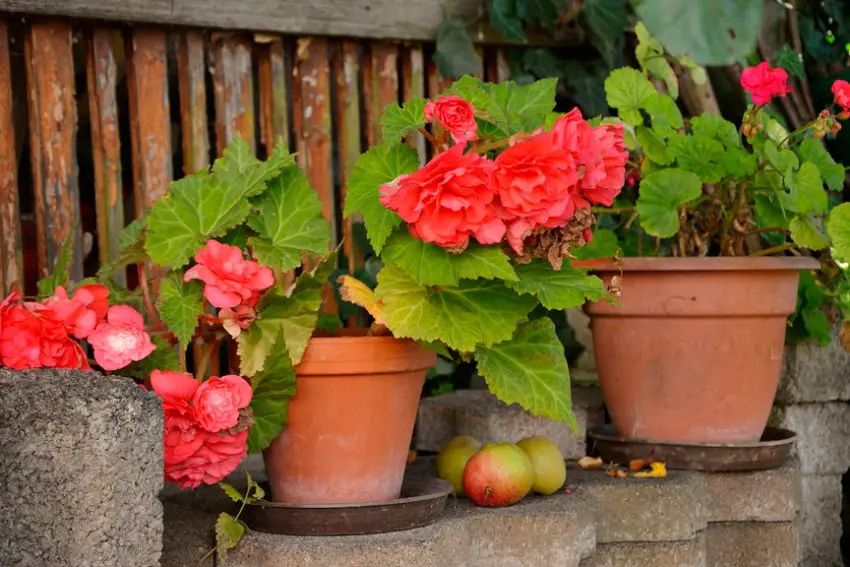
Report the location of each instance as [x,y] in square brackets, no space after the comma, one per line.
[97,116]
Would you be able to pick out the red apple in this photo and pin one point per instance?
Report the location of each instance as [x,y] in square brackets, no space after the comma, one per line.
[500,474]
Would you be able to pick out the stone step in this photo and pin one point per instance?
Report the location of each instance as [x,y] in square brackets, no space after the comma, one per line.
[480,414]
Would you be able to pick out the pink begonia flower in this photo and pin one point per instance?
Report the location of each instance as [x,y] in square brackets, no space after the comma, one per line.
[216,458]
[218,400]
[230,279]
[456,115]
[121,340]
[234,321]
[80,314]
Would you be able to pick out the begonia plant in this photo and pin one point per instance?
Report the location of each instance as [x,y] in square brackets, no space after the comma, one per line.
[480,236]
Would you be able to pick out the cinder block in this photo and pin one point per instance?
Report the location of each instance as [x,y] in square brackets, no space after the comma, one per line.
[753,544]
[760,496]
[821,536]
[480,414]
[650,510]
[687,553]
[813,373]
[823,430]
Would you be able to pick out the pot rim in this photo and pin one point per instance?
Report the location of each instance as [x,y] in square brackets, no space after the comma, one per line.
[710,264]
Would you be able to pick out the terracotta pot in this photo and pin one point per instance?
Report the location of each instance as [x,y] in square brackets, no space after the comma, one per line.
[350,421]
[694,349]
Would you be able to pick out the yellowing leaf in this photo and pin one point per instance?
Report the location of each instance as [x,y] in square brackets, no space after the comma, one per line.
[657,470]
[354,291]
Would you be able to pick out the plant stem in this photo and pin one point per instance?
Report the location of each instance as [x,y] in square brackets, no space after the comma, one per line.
[146,295]
[181,352]
[206,354]
[484,148]
[611,210]
[772,250]
[767,229]
[430,138]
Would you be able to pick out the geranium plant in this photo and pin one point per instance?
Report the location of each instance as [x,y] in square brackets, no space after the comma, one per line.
[705,187]
[476,239]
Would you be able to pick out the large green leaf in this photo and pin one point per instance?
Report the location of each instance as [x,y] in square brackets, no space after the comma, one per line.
[478,95]
[653,147]
[661,194]
[832,173]
[665,115]
[473,313]
[603,245]
[791,61]
[504,19]
[455,55]
[838,227]
[273,388]
[806,192]
[525,106]
[562,289]
[399,121]
[204,205]
[530,370]
[607,20]
[718,128]
[430,264]
[710,32]
[181,304]
[699,154]
[628,91]
[542,13]
[382,164]
[806,234]
[288,221]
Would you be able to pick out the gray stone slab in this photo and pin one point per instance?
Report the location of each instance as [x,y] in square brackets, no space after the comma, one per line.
[822,521]
[753,544]
[687,553]
[634,510]
[81,463]
[761,496]
[483,416]
[823,430]
[815,374]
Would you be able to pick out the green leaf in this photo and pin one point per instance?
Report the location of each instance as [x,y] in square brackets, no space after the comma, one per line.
[650,56]
[699,154]
[832,173]
[131,249]
[661,194]
[563,289]
[473,313]
[208,205]
[603,245]
[838,227]
[382,164]
[664,113]
[328,322]
[769,212]
[288,221]
[163,358]
[718,128]
[231,492]
[817,325]
[132,233]
[228,534]
[399,121]
[273,389]
[710,32]
[738,162]
[806,192]
[294,315]
[791,61]
[698,74]
[455,55]
[653,147]
[181,304]
[61,269]
[539,12]
[429,264]
[784,161]
[607,20]
[628,91]
[806,234]
[474,91]
[530,370]
[503,18]
[525,106]
[586,83]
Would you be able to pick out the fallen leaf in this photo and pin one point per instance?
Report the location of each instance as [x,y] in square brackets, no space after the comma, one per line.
[590,463]
[657,470]
[637,464]
[616,472]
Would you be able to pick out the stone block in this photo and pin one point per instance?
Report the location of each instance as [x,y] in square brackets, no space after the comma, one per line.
[822,521]
[686,553]
[812,373]
[752,544]
[760,496]
[634,510]
[822,433]
[537,531]
[480,414]
[81,463]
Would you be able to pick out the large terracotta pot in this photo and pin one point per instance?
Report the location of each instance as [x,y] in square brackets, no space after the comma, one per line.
[350,421]
[693,352]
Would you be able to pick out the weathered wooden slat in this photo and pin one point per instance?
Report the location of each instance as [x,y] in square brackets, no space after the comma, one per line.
[233,85]
[272,83]
[150,126]
[436,82]
[53,142]
[347,112]
[191,79]
[413,86]
[384,78]
[102,75]
[11,259]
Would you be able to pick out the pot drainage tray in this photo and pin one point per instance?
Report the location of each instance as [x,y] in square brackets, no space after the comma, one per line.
[772,451]
[421,503]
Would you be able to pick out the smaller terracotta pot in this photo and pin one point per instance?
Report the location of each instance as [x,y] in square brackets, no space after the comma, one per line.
[350,422]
